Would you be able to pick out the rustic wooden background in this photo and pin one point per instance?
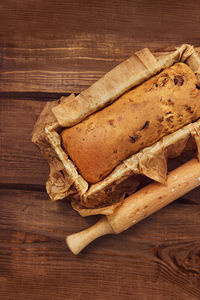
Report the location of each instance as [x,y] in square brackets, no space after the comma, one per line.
[49,48]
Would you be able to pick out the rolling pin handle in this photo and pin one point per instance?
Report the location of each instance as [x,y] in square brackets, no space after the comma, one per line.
[76,242]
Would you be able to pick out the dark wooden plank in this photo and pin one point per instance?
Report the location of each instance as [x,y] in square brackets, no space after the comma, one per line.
[20,160]
[65,46]
[156,259]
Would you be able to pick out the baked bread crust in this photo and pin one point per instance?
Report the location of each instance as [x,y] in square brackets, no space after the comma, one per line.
[151,162]
[139,118]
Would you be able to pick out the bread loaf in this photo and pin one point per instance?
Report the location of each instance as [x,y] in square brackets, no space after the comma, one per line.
[137,119]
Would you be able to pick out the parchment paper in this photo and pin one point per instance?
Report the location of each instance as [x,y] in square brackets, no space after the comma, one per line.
[102,197]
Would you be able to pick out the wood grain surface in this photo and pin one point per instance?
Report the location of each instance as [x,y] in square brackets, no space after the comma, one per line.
[48,49]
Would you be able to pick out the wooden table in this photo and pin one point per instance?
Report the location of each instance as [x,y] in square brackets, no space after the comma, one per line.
[52,48]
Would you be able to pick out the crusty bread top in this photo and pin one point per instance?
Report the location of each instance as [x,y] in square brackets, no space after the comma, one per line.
[134,121]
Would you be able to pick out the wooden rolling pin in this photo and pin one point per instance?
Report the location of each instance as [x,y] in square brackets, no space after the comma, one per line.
[140,205]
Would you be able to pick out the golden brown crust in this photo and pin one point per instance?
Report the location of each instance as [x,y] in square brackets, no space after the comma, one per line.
[136,120]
